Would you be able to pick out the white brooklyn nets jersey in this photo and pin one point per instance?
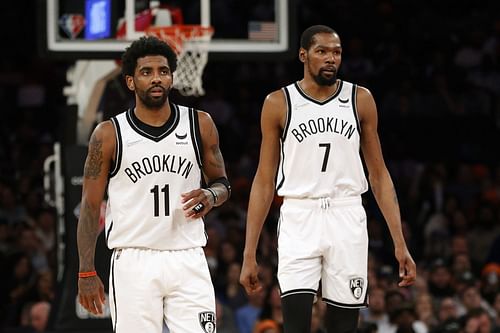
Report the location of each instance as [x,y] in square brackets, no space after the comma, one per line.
[320,146]
[150,173]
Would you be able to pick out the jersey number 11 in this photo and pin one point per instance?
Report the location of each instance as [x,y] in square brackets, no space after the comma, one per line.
[156,194]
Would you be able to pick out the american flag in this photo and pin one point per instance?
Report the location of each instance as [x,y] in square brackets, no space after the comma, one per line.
[265,31]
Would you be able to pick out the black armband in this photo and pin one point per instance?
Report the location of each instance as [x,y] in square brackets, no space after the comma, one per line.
[224,181]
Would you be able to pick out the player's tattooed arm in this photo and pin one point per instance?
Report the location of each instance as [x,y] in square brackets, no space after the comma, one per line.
[95,176]
[87,235]
[93,164]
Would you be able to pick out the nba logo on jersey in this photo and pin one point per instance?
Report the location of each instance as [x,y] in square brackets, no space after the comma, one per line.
[356,285]
[207,321]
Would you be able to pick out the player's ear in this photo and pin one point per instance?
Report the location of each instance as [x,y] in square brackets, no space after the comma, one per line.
[130,82]
[302,54]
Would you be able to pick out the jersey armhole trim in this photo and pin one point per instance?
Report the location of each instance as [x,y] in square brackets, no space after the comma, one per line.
[355,108]
[196,136]
[288,115]
[119,148]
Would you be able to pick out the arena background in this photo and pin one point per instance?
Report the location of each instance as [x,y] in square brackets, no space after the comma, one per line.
[434,70]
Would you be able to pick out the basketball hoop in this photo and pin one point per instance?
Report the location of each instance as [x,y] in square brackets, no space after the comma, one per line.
[190,42]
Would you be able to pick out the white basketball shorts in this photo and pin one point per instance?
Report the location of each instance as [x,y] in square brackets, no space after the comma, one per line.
[324,239]
[148,287]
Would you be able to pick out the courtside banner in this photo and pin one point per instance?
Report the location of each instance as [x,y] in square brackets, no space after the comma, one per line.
[68,314]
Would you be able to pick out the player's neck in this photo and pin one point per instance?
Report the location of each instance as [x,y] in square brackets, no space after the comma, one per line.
[316,91]
[153,117]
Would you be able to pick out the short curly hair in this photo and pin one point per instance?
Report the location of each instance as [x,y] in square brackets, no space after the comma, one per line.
[307,37]
[146,46]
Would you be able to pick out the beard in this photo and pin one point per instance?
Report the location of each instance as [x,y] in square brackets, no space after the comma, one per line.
[153,102]
[322,80]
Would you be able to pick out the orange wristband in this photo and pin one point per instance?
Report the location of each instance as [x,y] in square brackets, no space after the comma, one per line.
[87,274]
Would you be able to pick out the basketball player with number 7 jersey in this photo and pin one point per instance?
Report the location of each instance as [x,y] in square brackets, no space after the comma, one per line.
[153,160]
[312,133]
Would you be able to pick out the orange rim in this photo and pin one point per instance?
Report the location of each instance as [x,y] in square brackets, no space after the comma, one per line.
[175,35]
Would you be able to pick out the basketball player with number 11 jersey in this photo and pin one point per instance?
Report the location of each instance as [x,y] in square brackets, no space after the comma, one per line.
[163,171]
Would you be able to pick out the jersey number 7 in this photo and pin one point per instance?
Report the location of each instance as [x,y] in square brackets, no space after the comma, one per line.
[327,153]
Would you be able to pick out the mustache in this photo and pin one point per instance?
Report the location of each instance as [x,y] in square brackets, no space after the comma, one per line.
[329,68]
[156,87]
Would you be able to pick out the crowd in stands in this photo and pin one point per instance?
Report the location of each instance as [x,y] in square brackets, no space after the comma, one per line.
[434,70]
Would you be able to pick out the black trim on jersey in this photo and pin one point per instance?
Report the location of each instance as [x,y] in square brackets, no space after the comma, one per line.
[354,107]
[114,291]
[288,118]
[115,167]
[299,291]
[107,232]
[194,124]
[306,96]
[278,225]
[344,305]
[282,151]
[155,133]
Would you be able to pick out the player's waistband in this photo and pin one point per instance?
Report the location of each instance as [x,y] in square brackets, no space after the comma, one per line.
[323,202]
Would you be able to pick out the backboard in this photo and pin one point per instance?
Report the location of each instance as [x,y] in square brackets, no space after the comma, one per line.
[102,29]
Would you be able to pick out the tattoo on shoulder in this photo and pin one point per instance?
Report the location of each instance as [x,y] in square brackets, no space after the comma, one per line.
[93,164]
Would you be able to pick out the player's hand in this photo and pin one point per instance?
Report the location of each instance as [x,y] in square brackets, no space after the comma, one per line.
[91,294]
[249,277]
[197,203]
[407,267]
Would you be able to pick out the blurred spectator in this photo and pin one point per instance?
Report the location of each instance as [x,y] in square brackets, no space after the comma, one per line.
[44,287]
[490,282]
[460,263]
[29,243]
[227,254]
[225,318]
[45,226]
[18,287]
[424,310]
[477,321]
[447,310]
[375,312]
[463,281]
[483,232]
[471,299]
[271,311]
[231,293]
[440,279]
[247,315]
[39,316]
[404,319]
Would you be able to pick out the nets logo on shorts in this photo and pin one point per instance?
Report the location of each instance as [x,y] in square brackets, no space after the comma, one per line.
[207,321]
[356,285]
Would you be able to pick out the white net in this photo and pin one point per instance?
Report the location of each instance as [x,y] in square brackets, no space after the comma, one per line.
[191,43]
